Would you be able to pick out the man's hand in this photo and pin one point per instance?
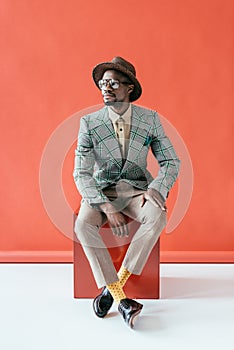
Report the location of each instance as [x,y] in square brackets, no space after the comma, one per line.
[115,219]
[155,198]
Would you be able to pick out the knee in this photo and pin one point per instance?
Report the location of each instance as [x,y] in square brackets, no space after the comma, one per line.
[81,227]
[88,235]
[85,232]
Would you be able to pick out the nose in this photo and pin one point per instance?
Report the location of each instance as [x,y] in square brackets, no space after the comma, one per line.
[107,87]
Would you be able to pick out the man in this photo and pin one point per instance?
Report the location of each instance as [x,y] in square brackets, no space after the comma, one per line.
[110,174]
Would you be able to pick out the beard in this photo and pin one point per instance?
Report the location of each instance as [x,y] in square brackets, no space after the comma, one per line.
[116,104]
[109,103]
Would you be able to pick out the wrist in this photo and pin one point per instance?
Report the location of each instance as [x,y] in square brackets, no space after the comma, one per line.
[106,208]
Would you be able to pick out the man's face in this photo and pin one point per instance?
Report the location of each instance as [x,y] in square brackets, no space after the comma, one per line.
[111,95]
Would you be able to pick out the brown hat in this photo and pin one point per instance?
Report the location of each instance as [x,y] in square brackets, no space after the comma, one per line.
[123,66]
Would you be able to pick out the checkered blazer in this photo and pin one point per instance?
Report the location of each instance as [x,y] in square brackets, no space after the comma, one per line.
[98,161]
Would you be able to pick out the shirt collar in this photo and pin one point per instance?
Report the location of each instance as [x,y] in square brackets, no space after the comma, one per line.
[126,116]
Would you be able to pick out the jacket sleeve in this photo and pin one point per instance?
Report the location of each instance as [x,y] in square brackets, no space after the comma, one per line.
[169,163]
[84,168]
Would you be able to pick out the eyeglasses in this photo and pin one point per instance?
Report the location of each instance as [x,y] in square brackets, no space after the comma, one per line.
[114,84]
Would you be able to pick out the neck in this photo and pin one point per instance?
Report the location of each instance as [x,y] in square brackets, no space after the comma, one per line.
[120,107]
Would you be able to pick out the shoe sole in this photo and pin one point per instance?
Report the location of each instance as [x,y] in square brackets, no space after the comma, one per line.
[133,318]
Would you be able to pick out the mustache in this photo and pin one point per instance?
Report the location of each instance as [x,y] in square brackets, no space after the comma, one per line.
[108,94]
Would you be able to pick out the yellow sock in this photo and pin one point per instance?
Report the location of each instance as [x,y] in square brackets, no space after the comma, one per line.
[123,275]
[116,291]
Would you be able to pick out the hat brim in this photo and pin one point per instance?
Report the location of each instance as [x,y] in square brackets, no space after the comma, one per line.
[101,68]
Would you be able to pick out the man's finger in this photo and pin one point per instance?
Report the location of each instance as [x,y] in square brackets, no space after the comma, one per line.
[114,230]
[125,231]
[161,205]
[122,230]
[157,203]
[154,201]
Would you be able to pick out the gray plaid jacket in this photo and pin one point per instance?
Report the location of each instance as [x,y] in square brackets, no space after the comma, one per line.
[98,161]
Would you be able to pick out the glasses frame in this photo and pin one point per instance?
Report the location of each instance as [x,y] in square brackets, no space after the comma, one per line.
[104,82]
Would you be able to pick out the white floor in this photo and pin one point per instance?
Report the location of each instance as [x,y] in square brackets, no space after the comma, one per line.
[38,311]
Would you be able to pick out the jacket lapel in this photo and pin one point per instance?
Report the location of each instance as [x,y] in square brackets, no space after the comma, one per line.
[138,134]
[104,131]
[106,134]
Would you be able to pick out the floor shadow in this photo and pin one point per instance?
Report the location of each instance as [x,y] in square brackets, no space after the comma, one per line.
[111,314]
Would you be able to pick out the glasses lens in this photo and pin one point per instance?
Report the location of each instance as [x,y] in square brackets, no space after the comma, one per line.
[101,84]
[114,84]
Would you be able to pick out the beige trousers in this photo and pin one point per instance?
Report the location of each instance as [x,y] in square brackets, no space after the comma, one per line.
[151,220]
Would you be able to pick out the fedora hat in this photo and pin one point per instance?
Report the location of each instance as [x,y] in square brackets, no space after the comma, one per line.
[121,65]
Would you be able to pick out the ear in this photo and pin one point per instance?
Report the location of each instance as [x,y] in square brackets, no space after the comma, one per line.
[130,88]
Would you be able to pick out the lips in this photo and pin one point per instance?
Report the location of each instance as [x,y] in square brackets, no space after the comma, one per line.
[108,95]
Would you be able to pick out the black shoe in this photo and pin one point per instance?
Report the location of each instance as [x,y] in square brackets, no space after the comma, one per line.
[129,309]
[102,303]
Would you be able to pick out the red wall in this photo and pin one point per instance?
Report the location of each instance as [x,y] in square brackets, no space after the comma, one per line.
[183,53]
